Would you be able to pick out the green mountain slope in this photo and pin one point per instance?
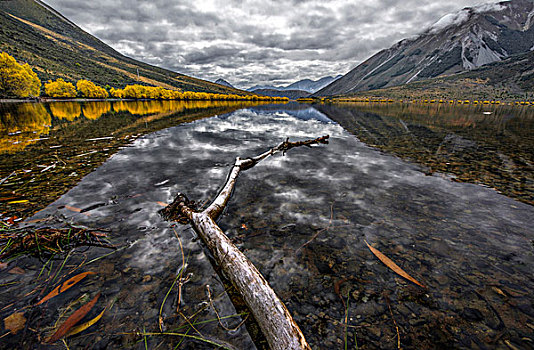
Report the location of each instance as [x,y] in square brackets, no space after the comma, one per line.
[33,32]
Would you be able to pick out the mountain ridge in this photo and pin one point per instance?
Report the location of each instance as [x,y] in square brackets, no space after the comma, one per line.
[55,47]
[308,85]
[458,42]
[291,94]
[509,80]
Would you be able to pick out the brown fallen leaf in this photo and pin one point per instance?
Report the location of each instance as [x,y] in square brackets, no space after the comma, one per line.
[17,271]
[74,209]
[84,326]
[389,263]
[15,322]
[3,265]
[72,320]
[163,204]
[499,291]
[65,285]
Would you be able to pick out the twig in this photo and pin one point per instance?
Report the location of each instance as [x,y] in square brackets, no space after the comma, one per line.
[7,177]
[180,283]
[320,231]
[347,320]
[395,322]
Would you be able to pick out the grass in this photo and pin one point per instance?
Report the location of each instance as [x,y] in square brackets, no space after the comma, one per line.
[46,242]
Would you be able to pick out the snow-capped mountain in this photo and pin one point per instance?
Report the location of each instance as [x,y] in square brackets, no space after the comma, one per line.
[307,85]
[461,41]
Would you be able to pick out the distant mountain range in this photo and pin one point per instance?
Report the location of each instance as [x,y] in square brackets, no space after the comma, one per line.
[291,94]
[33,32]
[460,42]
[307,85]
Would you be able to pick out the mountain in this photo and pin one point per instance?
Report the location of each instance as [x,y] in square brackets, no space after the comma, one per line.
[291,94]
[458,42]
[265,87]
[507,80]
[34,33]
[307,85]
[312,86]
[224,83]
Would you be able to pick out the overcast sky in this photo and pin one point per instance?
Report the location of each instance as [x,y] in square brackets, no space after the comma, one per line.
[250,42]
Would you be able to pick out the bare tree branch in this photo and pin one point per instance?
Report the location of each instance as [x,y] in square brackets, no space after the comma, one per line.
[271,314]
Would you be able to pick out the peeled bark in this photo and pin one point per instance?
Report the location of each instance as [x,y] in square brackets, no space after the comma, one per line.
[270,313]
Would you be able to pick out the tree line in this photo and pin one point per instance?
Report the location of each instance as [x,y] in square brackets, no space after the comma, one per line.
[20,81]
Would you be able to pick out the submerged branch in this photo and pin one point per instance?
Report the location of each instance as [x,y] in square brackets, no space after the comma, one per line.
[269,311]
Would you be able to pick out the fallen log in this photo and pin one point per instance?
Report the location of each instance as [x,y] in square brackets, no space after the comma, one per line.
[270,313]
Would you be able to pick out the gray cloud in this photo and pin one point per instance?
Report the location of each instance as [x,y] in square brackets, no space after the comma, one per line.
[251,41]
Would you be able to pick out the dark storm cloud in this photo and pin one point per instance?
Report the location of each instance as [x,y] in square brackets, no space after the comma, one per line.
[252,42]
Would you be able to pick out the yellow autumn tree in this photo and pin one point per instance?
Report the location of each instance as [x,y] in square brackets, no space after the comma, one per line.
[60,89]
[88,89]
[116,93]
[17,80]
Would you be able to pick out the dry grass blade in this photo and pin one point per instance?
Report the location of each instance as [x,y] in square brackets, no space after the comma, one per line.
[72,320]
[389,263]
[65,285]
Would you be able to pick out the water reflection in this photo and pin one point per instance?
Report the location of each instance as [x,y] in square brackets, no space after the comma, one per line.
[490,145]
[57,143]
[302,219]
[65,110]
[21,124]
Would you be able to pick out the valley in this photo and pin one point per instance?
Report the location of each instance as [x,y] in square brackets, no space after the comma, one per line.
[306,175]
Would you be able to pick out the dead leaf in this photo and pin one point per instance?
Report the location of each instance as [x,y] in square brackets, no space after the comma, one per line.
[84,326]
[72,320]
[244,227]
[3,265]
[74,209]
[389,263]
[15,322]
[163,204]
[17,271]
[498,291]
[65,285]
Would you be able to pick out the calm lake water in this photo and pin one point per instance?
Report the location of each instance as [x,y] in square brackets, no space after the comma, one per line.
[413,181]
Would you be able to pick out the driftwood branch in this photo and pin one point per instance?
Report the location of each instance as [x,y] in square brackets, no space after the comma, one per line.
[271,314]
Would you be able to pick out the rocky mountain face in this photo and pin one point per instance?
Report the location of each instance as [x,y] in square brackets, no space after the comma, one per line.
[458,42]
[307,85]
[54,47]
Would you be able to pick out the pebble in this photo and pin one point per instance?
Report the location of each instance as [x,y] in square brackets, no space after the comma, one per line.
[147,278]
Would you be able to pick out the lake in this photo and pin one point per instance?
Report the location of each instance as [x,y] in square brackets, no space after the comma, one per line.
[446,192]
